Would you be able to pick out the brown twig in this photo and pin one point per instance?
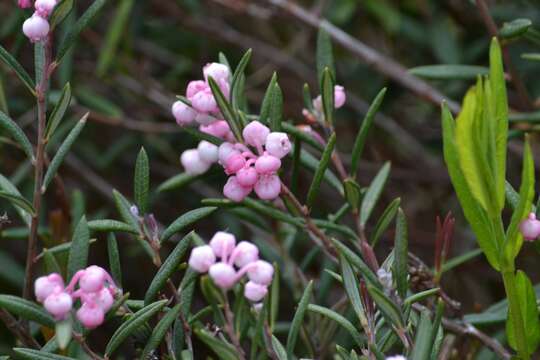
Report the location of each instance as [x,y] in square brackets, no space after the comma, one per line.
[81,340]
[229,327]
[16,329]
[41,93]
[514,75]
[370,56]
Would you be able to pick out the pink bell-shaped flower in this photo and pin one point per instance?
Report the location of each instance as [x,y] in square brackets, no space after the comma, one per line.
[93,279]
[58,303]
[278,144]
[234,191]
[260,272]
[223,275]
[192,162]
[267,164]
[222,244]
[268,187]
[255,134]
[36,28]
[247,176]
[91,315]
[45,285]
[255,292]
[201,258]
[44,8]
[245,253]
[208,152]
[530,227]
[183,113]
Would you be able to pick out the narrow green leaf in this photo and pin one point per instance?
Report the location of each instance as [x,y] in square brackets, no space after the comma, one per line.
[237,79]
[26,310]
[458,260]
[61,10]
[278,348]
[114,259]
[321,169]
[276,109]
[373,193]
[62,152]
[18,135]
[401,254]
[310,162]
[361,137]
[226,109]
[160,330]
[358,263]
[268,101]
[298,319]
[114,35]
[341,320]
[422,295]
[51,264]
[108,225]
[514,238]
[222,349]
[141,181]
[177,182]
[185,220]
[132,324]
[39,60]
[167,268]
[327,95]
[12,63]
[423,341]
[529,314]
[306,96]
[59,111]
[79,26]
[8,187]
[78,254]
[449,72]
[514,28]
[60,249]
[475,214]
[32,354]
[324,55]
[351,288]
[389,310]
[353,193]
[384,221]
[123,205]
[19,201]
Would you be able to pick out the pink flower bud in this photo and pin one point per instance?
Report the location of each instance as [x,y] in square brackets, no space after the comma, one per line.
[45,285]
[58,303]
[225,151]
[92,279]
[218,128]
[217,71]
[204,102]
[339,96]
[201,258]
[208,152]
[247,176]
[267,164]
[36,28]
[255,134]
[195,87]
[44,7]
[223,243]
[24,4]
[91,315]
[192,162]
[234,163]
[223,275]
[278,144]
[245,253]
[234,191]
[261,272]
[268,187]
[104,299]
[183,113]
[204,119]
[255,292]
[530,228]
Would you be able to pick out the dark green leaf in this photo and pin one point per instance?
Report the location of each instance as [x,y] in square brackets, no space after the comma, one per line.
[327,95]
[298,319]
[358,263]
[18,135]
[10,61]
[268,101]
[423,341]
[177,182]
[351,287]
[61,10]
[389,310]
[114,259]
[237,80]
[78,254]
[222,349]
[321,169]
[8,187]
[449,72]
[160,330]
[26,310]
[514,28]
[401,254]
[141,181]
[185,220]
[278,348]
[62,152]
[51,264]
[361,137]
[132,324]
[18,201]
[324,55]
[59,111]
[373,193]
[353,193]
[32,354]
[108,225]
[384,221]
[341,320]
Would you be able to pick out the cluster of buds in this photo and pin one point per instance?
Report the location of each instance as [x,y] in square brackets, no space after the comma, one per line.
[198,161]
[203,108]
[530,227]
[252,171]
[36,27]
[96,291]
[235,261]
[339,100]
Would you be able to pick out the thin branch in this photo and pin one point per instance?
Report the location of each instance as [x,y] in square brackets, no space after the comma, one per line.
[16,329]
[229,327]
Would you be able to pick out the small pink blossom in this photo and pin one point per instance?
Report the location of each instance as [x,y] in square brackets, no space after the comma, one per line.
[195,87]
[204,102]
[278,144]
[36,28]
[339,96]
[93,279]
[44,8]
[201,258]
[267,164]
[234,163]
[208,152]
[255,292]
[58,303]
[234,191]
[244,253]
[192,162]
[530,228]
[91,315]
[218,128]
[223,275]
[222,244]
[268,187]
[255,134]
[45,285]
[219,72]
[183,113]
[261,272]
[247,176]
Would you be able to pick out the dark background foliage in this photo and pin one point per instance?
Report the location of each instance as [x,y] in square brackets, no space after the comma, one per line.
[138,54]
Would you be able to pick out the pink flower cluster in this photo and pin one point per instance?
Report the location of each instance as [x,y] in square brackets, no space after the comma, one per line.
[36,27]
[96,290]
[204,109]
[530,228]
[236,260]
[252,171]
[198,161]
